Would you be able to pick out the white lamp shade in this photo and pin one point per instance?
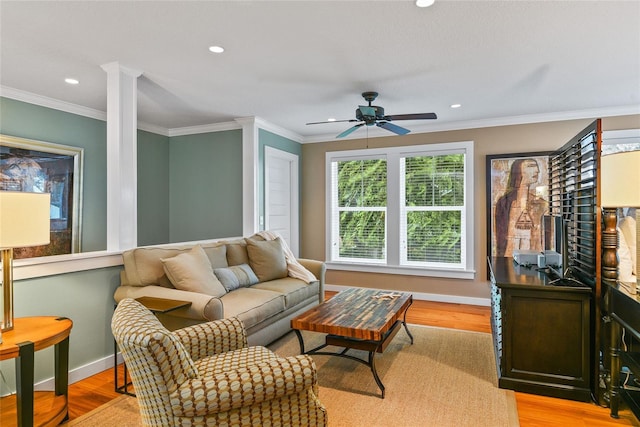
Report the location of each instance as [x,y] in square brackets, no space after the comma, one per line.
[620,180]
[24,219]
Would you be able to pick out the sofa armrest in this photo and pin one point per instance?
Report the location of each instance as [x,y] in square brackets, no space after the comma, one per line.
[203,307]
[241,387]
[318,268]
[208,339]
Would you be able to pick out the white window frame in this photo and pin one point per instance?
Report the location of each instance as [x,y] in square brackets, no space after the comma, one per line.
[393,266]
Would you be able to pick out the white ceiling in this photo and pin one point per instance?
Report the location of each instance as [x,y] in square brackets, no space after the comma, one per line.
[293,62]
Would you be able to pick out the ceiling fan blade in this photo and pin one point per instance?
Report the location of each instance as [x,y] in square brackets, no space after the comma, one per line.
[418,116]
[332,121]
[348,131]
[393,128]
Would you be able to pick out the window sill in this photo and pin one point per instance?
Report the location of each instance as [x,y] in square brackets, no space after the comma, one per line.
[404,270]
[61,264]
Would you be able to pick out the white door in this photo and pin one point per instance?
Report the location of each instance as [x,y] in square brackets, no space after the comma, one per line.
[281,195]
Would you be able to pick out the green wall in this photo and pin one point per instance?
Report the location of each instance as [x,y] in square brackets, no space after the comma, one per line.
[153,189]
[205,186]
[30,121]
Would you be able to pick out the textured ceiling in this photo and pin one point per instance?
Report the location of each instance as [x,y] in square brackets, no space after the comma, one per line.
[293,62]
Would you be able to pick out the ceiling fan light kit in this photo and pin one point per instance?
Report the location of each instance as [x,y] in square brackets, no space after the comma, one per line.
[371,115]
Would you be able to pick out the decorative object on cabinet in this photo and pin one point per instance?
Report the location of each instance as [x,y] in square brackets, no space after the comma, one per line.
[24,221]
[516,183]
[620,183]
[42,167]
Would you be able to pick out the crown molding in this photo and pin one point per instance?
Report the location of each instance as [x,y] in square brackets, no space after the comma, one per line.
[67,107]
[214,127]
[280,131]
[56,104]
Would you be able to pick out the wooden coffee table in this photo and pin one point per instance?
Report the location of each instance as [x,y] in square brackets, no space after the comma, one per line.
[362,319]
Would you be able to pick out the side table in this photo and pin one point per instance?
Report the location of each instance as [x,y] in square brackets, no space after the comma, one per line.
[156,306]
[31,334]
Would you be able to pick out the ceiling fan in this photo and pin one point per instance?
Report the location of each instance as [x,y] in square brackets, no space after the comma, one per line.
[374,115]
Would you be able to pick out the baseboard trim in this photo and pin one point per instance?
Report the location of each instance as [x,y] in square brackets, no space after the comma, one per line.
[80,373]
[453,299]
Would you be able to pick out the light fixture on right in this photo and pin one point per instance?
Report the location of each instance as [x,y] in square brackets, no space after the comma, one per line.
[620,183]
[424,3]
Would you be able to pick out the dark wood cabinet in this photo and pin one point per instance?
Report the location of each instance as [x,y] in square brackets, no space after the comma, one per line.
[541,332]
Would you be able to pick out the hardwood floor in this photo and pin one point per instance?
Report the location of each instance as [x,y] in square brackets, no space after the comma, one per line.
[533,410]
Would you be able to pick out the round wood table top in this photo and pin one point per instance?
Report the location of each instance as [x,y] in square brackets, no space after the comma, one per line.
[42,331]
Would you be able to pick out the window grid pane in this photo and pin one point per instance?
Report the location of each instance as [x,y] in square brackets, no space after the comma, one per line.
[359,221]
[432,217]
[434,236]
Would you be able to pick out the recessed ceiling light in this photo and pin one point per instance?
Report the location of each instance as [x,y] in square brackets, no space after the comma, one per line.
[216,49]
[331,119]
[456,105]
[71,81]
[424,3]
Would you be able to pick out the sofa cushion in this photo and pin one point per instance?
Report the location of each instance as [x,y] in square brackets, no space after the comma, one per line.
[191,271]
[144,267]
[217,255]
[252,305]
[267,259]
[295,291]
[237,253]
[236,276]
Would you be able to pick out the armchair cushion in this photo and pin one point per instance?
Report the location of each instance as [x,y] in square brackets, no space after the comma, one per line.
[207,339]
[242,378]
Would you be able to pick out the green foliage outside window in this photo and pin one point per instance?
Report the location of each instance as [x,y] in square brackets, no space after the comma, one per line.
[362,184]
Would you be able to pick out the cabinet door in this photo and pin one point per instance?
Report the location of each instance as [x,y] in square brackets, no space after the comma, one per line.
[546,341]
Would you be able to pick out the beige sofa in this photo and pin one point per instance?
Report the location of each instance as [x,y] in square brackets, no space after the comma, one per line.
[245,278]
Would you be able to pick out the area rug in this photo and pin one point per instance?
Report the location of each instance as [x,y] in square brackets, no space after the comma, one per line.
[446,378]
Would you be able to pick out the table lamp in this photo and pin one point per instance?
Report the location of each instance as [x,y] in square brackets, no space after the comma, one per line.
[24,221]
[620,187]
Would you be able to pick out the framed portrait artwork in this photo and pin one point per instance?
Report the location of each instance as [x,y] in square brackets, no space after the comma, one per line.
[42,167]
[517,198]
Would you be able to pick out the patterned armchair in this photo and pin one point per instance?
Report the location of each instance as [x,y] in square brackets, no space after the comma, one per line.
[205,375]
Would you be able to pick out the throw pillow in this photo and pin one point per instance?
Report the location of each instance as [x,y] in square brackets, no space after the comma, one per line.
[191,271]
[217,255]
[267,259]
[236,276]
[237,254]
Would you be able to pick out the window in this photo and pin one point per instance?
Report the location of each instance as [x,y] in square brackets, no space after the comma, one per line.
[402,210]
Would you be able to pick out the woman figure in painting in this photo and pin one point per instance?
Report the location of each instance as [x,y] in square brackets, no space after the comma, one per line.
[519,210]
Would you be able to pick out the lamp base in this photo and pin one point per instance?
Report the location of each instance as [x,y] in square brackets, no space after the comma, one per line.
[7,290]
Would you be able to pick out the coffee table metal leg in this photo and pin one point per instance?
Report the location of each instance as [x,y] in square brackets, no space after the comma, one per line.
[404,321]
[372,364]
[299,335]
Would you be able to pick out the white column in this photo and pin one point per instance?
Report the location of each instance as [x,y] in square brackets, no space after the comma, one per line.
[122,123]
[250,211]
